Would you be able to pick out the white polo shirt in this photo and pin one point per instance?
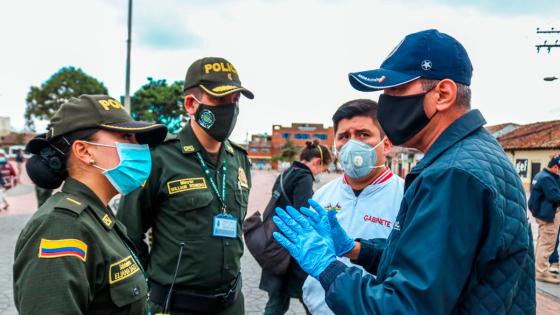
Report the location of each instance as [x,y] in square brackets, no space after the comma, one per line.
[370,215]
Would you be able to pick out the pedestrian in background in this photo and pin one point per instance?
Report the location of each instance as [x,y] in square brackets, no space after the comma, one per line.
[6,174]
[19,160]
[543,203]
[72,256]
[553,259]
[297,183]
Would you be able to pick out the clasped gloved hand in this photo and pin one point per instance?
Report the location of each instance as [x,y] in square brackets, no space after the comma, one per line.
[327,225]
[311,250]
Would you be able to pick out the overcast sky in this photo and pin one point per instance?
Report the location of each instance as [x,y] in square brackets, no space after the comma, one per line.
[294,55]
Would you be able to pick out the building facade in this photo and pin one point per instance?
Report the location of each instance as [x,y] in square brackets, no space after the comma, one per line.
[299,133]
[530,148]
[259,150]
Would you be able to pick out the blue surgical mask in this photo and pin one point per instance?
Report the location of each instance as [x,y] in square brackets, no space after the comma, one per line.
[133,169]
[358,158]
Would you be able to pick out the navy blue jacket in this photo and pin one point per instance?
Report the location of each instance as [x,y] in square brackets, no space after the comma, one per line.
[545,195]
[461,243]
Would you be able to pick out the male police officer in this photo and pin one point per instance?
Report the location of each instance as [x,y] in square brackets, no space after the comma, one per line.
[195,201]
[461,243]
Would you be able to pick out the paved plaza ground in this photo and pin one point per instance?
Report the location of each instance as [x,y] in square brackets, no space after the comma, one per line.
[23,204]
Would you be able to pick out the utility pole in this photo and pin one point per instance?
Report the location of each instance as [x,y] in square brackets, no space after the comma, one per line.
[546,44]
[127,79]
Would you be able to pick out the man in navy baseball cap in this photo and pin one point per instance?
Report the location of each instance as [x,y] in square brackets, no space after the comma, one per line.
[461,243]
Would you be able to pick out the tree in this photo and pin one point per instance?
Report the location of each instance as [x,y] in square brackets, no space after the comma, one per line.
[289,150]
[159,102]
[43,101]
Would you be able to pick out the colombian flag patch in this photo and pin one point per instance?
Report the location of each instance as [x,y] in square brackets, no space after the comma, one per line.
[61,248]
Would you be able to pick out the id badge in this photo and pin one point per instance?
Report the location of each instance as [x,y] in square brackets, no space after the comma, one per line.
[225,225]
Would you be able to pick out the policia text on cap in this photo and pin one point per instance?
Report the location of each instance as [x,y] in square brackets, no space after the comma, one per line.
[196,195]
[73,256]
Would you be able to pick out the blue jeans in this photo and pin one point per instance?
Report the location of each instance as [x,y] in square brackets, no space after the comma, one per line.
[554,256]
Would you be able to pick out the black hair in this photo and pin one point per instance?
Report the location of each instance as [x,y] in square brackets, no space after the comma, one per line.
[359,107]
[313,150]
[48,168]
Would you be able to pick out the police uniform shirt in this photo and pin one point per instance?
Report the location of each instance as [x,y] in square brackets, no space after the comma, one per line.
[73,257]
[179,204]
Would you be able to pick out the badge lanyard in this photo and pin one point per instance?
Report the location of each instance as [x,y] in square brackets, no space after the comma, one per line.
[206,170]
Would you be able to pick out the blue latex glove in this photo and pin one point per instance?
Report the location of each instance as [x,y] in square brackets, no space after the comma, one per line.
[327,225]
[313,252]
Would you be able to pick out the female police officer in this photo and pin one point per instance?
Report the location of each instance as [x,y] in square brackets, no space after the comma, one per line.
[73,257]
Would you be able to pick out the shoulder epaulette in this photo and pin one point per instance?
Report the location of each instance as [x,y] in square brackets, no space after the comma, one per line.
[238,146]
[70,202]
[171,137]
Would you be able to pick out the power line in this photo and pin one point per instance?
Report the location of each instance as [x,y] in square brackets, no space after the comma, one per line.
[546,45]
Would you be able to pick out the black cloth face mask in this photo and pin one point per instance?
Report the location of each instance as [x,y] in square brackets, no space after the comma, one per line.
[218,121]
[402,117]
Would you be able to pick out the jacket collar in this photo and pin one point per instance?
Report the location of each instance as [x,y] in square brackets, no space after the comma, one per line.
[78,189]
[190,144]
[458,130]
[553,174]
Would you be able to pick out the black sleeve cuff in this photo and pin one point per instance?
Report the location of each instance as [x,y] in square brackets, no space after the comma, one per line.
[370,254]
[332,271]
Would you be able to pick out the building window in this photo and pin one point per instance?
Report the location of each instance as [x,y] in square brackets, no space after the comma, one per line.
[286,136]
[301,136]
[320,136]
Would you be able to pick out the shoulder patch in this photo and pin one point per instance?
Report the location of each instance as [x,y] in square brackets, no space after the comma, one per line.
[63,248]
[70,202]
[238,146]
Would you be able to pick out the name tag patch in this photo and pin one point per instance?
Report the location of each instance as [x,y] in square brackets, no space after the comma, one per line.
[122,269]
[186,184]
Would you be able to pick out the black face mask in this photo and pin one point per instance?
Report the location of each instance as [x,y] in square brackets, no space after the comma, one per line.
[217,121]
[402,117]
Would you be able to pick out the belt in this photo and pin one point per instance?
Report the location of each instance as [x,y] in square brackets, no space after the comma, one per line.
[195,302]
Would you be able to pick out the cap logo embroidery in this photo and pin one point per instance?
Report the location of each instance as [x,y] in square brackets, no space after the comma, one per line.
[379,80]
[219,67]
[426,65]
[207,119]
[110,104]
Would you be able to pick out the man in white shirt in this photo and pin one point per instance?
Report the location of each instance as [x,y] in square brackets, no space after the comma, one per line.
[368,195]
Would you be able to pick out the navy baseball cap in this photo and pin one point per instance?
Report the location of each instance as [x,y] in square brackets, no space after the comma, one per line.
[427,54]
[554,161]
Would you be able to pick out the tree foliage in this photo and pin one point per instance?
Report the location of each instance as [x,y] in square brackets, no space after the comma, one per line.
[289,150]
[159,102]
[43,101]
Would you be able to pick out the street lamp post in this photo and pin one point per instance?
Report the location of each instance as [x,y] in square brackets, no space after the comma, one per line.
[127,79]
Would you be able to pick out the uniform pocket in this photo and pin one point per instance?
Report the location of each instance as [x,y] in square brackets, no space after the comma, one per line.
[189,201]
[130,290]
[242,198]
